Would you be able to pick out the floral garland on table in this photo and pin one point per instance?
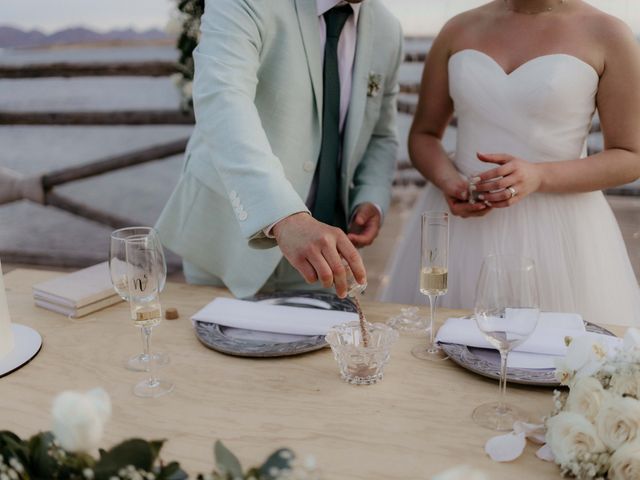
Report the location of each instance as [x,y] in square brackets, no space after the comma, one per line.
[594,430]
[78,424]
[185,26]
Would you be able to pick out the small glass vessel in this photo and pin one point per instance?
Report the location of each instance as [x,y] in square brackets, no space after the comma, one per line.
[358,364]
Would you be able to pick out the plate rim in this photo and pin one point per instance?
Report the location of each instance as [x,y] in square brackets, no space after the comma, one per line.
[456,350]
[315,342]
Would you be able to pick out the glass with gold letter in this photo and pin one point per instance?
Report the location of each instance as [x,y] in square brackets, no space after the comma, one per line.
[145,276]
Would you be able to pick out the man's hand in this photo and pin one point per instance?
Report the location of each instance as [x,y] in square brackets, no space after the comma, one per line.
[316,250]
[365,225]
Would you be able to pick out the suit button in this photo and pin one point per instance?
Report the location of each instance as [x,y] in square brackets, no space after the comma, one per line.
[242,216]
[308,166]
[233,195]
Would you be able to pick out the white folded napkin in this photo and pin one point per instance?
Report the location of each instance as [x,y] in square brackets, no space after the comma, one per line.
[271,318]
[539,351]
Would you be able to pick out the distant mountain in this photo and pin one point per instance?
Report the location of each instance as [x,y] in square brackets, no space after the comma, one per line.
[15,37]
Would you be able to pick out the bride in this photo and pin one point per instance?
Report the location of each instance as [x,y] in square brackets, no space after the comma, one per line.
[524,78]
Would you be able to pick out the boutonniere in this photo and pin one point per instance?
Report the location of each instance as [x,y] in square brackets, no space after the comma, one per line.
[374,84]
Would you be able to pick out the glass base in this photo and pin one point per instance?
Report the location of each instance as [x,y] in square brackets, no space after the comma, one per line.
[432,353]
[409,321]
[140,362]
[498,417]
[155,389]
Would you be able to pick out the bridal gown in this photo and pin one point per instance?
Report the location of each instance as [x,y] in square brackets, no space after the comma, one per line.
[540,112]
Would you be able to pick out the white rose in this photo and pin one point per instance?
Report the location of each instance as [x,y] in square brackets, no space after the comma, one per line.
[584,357]
[631,339]
[618,421]
[569,434]
[627,383]
[585,397]
[187,89]
[462,472]
[625,463]
[79,418]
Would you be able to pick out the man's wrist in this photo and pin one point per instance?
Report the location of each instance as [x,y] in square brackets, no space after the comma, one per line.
[271,230]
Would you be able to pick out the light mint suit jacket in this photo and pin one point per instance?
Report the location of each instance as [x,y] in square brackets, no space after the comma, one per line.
[258,105]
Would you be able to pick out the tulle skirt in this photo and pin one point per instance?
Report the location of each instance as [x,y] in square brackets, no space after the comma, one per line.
[574,239]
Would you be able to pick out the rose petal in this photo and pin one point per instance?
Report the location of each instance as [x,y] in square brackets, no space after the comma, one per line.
[545,453]
[506,448]
[533,431]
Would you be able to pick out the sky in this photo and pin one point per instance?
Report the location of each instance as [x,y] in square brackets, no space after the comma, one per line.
[419,17]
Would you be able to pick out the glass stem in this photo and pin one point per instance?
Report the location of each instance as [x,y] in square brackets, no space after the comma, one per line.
[433,299]
[145,356]
[150,364]
[503,381]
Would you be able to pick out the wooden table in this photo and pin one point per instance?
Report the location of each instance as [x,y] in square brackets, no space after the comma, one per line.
[415,423]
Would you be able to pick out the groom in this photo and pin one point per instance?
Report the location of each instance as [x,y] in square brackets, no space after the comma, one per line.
[294,144]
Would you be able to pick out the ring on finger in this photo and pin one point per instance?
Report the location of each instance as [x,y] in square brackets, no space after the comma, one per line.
[513,192]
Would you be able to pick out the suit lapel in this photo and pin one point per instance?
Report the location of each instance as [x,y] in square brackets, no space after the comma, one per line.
[360,79]
[308,20]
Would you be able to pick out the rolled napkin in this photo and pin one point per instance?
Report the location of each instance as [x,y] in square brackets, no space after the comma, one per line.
[271,318]
[539,351]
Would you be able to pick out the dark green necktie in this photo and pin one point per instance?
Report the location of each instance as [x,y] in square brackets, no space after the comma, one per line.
[328,170]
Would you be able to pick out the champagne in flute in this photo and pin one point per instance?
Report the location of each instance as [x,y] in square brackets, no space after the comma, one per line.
[433,281]
[433,274]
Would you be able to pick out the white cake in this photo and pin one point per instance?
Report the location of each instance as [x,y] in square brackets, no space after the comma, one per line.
[6,336]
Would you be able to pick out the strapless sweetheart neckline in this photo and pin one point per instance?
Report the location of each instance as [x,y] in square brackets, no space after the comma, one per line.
[527,63]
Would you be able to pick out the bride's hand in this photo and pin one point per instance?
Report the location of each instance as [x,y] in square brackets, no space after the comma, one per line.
[513,180]
[456,193]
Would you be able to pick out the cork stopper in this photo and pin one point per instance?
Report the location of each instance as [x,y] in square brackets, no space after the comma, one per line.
[171,313]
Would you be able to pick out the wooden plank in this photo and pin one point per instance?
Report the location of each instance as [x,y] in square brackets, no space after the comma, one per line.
[119,117]
[65,69]
[109,164]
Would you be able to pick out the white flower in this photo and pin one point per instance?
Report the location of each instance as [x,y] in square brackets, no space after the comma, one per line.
[619,421]
[585,356]
[79,418]
[187,89]
[461,473]
[506,448]
[585,397]
[631,339]
[626,383]
[625,462]
[569,434]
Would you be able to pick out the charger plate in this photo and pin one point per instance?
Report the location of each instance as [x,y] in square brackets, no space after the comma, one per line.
[27,344]
[486,362]
[251,343]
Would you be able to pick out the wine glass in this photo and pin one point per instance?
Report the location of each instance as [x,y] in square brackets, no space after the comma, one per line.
[118,270]
[145,276]
[506,310]
[434,254]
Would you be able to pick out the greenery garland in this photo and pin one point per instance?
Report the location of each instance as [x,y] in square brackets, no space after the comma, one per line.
[41,457]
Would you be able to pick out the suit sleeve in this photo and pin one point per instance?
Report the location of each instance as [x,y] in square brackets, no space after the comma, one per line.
[373,178]
[227,62]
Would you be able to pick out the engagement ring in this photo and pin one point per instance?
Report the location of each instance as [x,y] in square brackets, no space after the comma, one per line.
[513,191]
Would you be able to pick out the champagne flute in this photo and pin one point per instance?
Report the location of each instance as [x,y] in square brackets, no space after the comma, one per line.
[145,274]
[506,310]
[434,254]
[118,271]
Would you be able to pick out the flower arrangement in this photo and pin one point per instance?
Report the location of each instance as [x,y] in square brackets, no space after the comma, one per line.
[78,424]
[594,431]
[185,25]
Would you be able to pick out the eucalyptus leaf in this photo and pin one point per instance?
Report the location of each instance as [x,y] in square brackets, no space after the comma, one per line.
[277,461]
[41,464]
[227,463]
[137,452]
[172,471]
